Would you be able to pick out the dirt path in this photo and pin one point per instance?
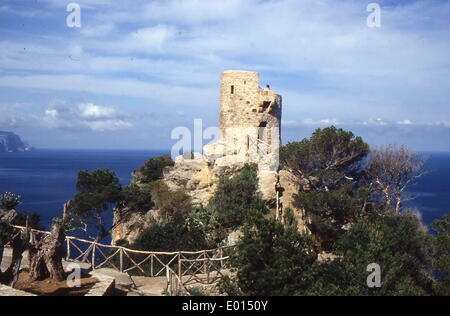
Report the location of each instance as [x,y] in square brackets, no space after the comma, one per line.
[126,285]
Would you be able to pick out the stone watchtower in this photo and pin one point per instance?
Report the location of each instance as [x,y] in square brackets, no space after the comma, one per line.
[250,119]
[250,123]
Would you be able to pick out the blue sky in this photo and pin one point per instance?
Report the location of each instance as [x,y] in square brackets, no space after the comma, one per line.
[136,69]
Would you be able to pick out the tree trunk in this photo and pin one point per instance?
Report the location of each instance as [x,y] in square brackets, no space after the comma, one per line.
[19,248]
[18,240]
[19,244]
[398,205]
[46,256]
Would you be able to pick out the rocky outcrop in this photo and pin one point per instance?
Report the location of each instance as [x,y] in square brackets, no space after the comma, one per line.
[198,176]
[10,142]
[129,228]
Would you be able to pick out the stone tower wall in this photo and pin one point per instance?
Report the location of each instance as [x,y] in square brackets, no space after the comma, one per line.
[244,104]
[250,119]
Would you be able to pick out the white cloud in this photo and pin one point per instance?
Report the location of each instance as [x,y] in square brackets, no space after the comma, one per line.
[405,122]
[376,122]
[89,110]
[14,115]
[150,38]
[310,122]
[165,94]
[85,115]
[84,4]
[8,119]
[444,123]
[97,30]
[290,123]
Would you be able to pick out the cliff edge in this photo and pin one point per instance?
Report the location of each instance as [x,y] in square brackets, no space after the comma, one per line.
[10,142]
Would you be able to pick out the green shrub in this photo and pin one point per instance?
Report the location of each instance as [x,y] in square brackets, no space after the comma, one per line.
[329,154]
[228,286]
[272,259]
[205,219]
[196,291]
[329,211]
[152,169]
[169,202]
[397,244]
[441,255]
[9,201]
[172,235]
[237,199]
[137,198]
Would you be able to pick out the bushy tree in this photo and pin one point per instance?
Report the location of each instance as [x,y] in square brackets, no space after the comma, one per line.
[272,259]
[330,212]
[397,243]
[331,162]
[152,169]
[328,157]
[173,234]
[137,198]
[275,259]
[237,199]
[98,192]
[441,255]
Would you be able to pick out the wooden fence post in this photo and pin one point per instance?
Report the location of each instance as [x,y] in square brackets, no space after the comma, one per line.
[121,260]
[93,256]
[169,281]
[68,249]
[180,275]
[152,262]
[205,268]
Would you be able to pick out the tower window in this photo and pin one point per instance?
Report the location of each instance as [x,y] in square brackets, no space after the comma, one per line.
[232,89]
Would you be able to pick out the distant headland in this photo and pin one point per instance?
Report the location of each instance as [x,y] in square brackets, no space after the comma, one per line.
[10,142]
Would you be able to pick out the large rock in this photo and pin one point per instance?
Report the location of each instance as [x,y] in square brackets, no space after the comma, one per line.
[10,142]
[198,176]
[130,227]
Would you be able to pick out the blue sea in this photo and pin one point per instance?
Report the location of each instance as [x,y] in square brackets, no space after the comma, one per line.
[46,179]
